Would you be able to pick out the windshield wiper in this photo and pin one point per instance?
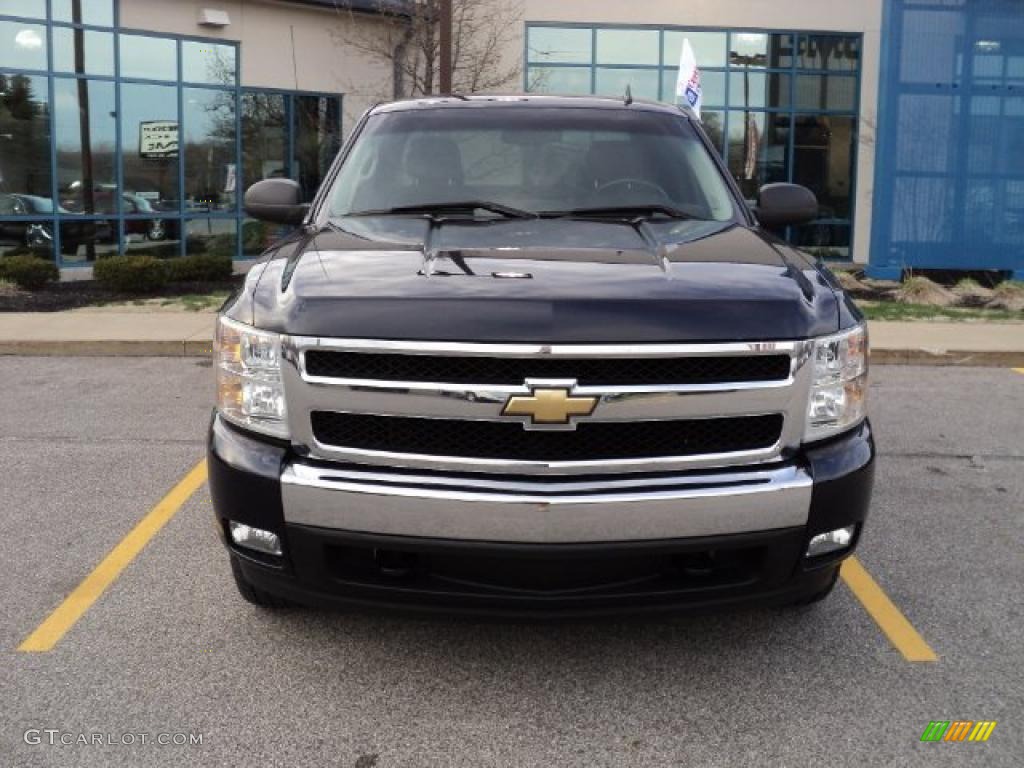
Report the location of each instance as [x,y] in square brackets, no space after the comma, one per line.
[430,209]
[627,212]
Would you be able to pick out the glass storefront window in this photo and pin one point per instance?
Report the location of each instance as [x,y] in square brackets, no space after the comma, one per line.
[709,48]
[758,149]
[643,83]
[826,92]
[823,152]
[22,46]
[714,127]
[839,53]
[33,9]
[317,126]
[25,137]
[712,84]
[211,168]
[207,63]
[568,80]
[23,237]
[218,237]
[83,51]
[561,45]
[86,145]
[758,90]
[98,13]
[627,46]
[264,137]
[748,49]
[149,236]
[149,58]
[149,143]
[83,241]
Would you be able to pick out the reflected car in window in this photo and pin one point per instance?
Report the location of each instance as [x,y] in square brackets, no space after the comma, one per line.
[38,235]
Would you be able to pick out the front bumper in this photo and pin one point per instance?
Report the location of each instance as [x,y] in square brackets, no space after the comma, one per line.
[519,546]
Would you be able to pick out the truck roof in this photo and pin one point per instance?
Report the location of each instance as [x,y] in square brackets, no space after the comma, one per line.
[497,101]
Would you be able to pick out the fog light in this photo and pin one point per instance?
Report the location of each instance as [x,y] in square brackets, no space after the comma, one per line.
[831,541]
[255,538]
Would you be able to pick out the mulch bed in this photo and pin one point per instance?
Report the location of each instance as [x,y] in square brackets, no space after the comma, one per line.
[87,293]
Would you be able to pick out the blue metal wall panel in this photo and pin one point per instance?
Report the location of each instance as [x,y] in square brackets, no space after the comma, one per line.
[949,180]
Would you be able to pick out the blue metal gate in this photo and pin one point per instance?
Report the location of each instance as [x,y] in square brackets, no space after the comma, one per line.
[949,179]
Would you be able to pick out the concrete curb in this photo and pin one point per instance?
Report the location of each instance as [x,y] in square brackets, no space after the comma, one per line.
[204,348]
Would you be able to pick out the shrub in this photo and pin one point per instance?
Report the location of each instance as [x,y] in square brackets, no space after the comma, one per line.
[199,268]
[28,272]
[130,274]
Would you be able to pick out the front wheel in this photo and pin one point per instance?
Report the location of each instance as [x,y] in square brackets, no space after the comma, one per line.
[253,594]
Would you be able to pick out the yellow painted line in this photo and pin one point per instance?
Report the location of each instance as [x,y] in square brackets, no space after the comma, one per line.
[64,617]
[887,616]
[1019,370]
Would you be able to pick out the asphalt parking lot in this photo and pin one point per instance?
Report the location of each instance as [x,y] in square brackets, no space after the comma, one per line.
[89,446]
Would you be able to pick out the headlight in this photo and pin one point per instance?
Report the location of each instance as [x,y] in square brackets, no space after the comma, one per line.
[249,388]
[839,393]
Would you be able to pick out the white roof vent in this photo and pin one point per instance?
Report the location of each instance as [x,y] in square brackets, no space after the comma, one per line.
[211,17]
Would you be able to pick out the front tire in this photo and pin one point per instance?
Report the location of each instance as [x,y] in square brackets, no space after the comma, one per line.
[253,594]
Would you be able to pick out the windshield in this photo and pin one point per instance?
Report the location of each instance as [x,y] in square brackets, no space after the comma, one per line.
[529,159]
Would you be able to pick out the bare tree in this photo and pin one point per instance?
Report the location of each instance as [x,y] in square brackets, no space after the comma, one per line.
[484,44]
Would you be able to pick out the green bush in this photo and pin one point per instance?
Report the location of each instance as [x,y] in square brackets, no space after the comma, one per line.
[130,274]
[199,268]
[28,272]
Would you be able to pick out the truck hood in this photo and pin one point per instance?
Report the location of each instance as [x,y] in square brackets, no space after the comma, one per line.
[552,281]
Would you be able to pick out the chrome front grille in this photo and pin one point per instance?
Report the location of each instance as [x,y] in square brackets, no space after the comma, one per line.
[658,407]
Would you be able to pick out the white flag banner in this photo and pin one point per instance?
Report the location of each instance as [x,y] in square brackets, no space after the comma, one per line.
[688,89]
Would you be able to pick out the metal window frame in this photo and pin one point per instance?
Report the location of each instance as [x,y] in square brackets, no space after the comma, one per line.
[181,216]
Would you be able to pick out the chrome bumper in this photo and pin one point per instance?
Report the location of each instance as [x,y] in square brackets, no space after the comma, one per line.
[488,509]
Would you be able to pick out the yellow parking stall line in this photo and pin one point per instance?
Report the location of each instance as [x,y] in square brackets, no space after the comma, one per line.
[887,616]
[64,617]
[1019,370]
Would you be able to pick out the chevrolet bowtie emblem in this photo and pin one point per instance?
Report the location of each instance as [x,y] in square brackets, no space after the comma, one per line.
[549,406]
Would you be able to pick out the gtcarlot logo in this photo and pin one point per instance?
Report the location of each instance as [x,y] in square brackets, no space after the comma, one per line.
[55,737]
[958,730]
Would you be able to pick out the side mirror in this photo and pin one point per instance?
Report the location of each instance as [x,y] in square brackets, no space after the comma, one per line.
[781,204]
[275,200]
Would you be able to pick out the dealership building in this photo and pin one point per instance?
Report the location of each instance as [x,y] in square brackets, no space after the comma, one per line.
[134,125]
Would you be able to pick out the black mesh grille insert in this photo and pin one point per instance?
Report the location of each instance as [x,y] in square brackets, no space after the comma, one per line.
[513,370]
[592,440]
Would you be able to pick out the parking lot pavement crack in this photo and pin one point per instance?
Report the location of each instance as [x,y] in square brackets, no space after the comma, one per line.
[974,458]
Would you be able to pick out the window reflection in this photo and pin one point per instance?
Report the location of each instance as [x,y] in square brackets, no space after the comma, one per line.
[83,51]
[708,47]
[567,80]
[84,241]
[264,137]
[207,63]
[22,46]
[627,46]
[24,136]
[823,159]
[149,58]
[317,135]
[758,149]
[35,9]
[86,144]
[149,143]
[23,237]
[556,44]
[217,237]
[835,93]
[758,90]
[98,13]
[832,52]
[643,83]
[211,169]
